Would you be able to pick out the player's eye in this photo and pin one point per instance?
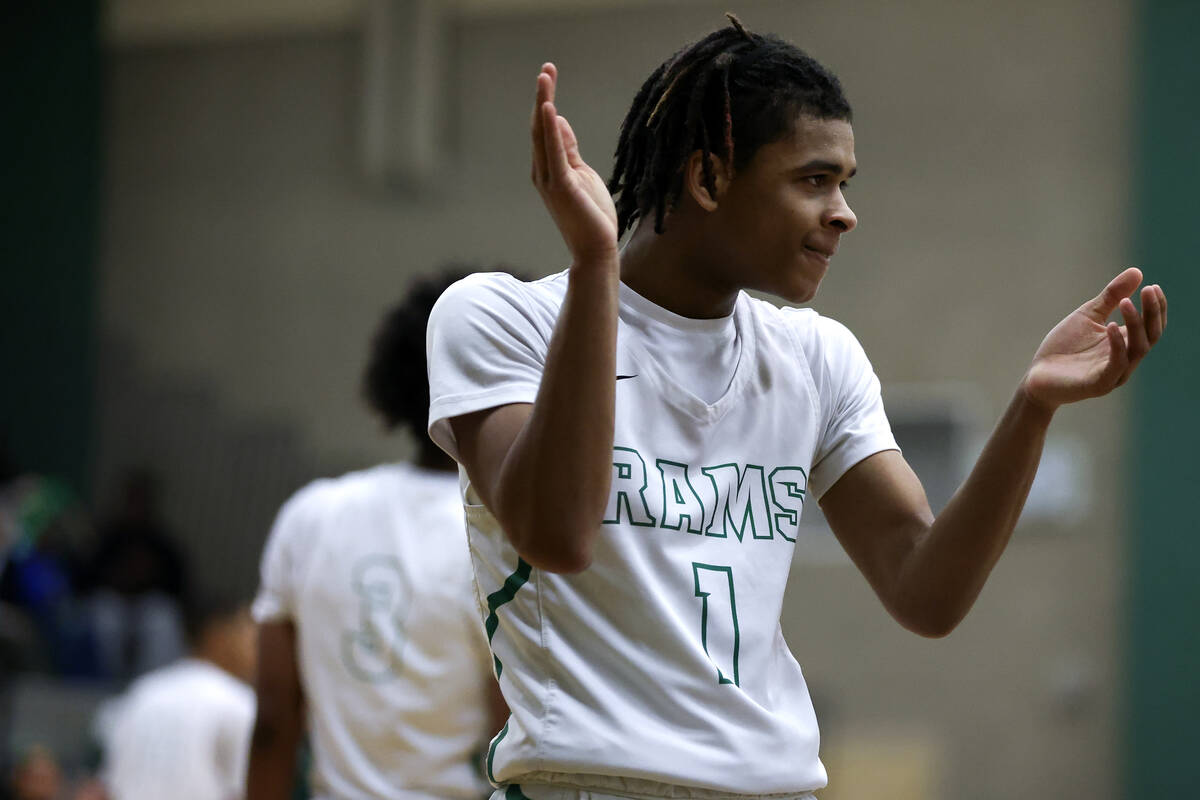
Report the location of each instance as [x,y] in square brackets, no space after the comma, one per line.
[845,187]
[816,180]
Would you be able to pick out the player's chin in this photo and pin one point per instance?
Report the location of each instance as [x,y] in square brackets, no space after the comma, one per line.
[800,288]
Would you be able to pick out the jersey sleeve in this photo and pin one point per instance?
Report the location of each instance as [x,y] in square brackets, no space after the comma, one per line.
[485,349]
[854,424]
[280,568]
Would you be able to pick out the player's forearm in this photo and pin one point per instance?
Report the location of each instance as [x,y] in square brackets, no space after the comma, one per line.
[553,486]
[949,563]
[272,768]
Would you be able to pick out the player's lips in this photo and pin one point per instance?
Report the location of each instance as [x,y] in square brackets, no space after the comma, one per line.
[823,253]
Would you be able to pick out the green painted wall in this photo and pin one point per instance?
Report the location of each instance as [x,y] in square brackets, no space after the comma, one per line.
[49,60]
[1163,641]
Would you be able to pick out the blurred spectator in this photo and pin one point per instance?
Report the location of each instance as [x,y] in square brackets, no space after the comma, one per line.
[137,585]
[42,530]
[183,731]
[36,776]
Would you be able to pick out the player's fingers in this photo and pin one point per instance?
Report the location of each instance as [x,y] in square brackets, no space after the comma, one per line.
[549,69]
[1120,287]
[1118,355]
[570,143]
[1139,342]
[545,88]
[556,156]
[1152,314]
[1162,299]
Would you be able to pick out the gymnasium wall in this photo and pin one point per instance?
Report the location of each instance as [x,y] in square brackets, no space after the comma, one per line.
[244,262]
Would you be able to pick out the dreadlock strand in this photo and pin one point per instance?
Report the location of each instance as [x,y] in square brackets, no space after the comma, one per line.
[630,128]
[738,26]
[667,92]
[696,129]
[630,155]
[728,128]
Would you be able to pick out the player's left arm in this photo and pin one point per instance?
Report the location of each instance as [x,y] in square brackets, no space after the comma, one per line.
[279,719]
[929,571]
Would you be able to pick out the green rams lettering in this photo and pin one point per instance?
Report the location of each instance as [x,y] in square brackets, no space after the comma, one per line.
[743,501]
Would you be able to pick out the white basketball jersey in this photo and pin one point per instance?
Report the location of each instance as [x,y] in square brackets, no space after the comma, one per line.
[664,661]
[182,731]
[372,568]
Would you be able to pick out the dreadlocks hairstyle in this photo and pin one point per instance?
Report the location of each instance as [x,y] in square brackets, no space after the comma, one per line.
[395,384]
[725,95]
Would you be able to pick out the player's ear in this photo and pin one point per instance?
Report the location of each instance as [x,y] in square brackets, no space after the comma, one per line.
[695,185]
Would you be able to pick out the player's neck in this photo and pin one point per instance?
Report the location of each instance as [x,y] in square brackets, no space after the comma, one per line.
[665,269]
[216,651]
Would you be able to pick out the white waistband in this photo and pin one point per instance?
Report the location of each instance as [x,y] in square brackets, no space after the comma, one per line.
[560,786]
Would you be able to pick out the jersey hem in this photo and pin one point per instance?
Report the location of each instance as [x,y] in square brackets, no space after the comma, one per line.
[443,409]
[642,789]
[830,469]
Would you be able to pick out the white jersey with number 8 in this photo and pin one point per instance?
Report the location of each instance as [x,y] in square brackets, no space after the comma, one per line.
[663,662]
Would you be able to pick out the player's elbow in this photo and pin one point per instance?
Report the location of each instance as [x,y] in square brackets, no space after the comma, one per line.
[560,563]
[928,623]
[557,549]
[933,631]
[552,537]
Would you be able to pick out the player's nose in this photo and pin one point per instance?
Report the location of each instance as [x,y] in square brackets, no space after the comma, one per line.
[840,216]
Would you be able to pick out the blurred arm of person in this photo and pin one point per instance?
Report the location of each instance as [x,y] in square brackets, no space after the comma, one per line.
[279,723]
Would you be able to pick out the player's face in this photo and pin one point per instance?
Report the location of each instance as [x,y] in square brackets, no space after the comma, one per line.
[781,217]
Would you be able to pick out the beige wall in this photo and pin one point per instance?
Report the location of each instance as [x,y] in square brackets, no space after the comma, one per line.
[243,254]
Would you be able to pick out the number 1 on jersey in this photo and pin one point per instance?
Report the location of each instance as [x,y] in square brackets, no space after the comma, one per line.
[718,618]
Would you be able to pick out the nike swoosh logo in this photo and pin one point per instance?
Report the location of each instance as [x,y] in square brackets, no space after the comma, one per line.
[625,377]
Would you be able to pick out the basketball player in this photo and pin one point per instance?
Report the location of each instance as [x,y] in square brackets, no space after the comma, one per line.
[182,731]
[369,624]
[639,438]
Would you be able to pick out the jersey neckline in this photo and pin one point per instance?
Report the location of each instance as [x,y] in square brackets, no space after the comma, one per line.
[669,389]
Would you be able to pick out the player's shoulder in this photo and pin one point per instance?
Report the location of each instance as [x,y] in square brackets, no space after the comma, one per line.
[308,499]
[181,677]
[205,685]
[818,336]
[501,293]
[349,489]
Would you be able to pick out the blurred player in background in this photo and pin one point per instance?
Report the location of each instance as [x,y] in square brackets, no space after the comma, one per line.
[369,624]
[182,731]
[35,776]
[641,436]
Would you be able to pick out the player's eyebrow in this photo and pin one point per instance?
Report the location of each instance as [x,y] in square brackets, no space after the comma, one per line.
[820,165]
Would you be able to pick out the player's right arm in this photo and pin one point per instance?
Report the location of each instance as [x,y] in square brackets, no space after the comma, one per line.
[544,469]
[279,720]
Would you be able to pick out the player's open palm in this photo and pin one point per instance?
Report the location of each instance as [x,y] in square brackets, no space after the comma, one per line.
[574,193]
[1087,356]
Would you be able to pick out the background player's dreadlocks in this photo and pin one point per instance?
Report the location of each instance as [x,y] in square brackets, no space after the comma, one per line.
[727,95]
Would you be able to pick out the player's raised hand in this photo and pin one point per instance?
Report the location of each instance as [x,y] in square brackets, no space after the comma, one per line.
[1087,356]
[574,193]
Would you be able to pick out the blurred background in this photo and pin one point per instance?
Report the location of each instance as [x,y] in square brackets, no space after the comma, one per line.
[207,207]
